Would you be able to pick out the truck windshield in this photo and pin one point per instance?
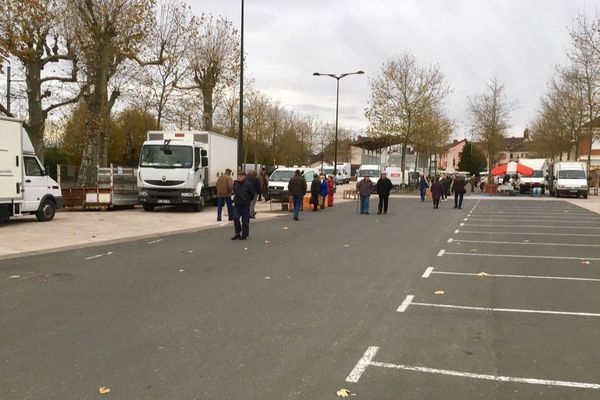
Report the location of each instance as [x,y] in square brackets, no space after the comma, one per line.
[177,157]
[328,171]
[370,173]
[537,174]
[571,174]
[281,176]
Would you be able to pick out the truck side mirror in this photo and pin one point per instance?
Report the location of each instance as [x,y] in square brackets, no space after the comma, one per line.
[204,160]
[203,153]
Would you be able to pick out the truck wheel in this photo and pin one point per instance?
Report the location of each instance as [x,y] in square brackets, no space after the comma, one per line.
[46,211]
[585,195]
[148,207]
[198,207]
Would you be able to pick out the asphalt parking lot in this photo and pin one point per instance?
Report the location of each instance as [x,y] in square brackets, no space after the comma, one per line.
[498,300]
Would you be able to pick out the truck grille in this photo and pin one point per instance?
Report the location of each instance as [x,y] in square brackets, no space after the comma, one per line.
[165,183]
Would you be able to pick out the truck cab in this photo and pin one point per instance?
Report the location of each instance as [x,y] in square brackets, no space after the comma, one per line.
[568,178]
[172,171]
[25,187]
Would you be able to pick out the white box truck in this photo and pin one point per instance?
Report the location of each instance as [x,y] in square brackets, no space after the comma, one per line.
[182,167]
[25,187]
[538,179]
[568,178]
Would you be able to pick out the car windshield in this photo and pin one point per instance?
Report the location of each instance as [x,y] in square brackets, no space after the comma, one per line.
[369,172]
[538,174]
[281,176]
[571,174]
[328,171]
[157,156]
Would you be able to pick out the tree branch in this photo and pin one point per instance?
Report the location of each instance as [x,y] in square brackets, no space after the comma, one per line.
[4,111]
[56,58]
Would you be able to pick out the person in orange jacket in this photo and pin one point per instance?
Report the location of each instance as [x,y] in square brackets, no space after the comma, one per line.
[330,191]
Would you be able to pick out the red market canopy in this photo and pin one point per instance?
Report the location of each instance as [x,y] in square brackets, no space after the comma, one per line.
[512,168]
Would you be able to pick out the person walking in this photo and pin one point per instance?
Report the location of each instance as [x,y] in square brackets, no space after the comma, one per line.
[297,188]
[264,180]
[330,191]
[445,181]
[243,193]
[224,191]
[423,186]
[384,187]
[257,191]
[365,187]
[458,187]
[437,190]
[323,191]
[315,191]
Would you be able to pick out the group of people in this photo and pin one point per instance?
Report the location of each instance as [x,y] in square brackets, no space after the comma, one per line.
[321,191]
[442,187]
[365,187]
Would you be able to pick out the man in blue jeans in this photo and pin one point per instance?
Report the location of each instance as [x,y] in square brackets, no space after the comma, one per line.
[423,186]
[365,187]
[243,193]
[297,189]
[224,191]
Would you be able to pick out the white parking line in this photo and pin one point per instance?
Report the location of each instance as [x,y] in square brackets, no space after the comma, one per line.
[529,233]
[525,243]
[537,220]
[554,215]
[519,256]
[449,240]
[456,231]
[155,241]
[441,253]
[408,301]
[534,226]
[430,271]
[93,257]
[367,361]
[427,272]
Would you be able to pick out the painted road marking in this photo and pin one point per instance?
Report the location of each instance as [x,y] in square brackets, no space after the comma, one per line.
[530,233]
[405,303]
[535,226]
[156,241]
[429,271]
[93,257]
[409,301]
[362,364]
[449,240]
[525,243]
[520,256]
[367,361]
[441,253]
[461,224]
[456,231]
[541,220]
[555,215]
[466,219]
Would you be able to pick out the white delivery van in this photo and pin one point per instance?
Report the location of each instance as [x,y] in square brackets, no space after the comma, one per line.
[280,178]
[394,174]
[372,171]
[25,187]
[568,178]
[538,179]
[343,173]
[182,168]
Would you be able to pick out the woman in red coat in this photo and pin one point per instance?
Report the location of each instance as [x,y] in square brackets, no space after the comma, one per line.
[330,187]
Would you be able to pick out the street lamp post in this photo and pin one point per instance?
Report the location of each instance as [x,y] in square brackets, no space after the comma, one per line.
[337,106]
[240,159]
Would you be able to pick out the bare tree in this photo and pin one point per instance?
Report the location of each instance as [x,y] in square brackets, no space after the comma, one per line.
[433,130]
[214,61]
[585,56]
[108,33]
[490,117]
[402,92]
[31,32]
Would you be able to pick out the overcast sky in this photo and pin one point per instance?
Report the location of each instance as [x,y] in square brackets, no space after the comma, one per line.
[518,41]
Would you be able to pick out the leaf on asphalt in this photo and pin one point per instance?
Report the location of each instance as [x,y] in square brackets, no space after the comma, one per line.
[343,393]
[585,262]
[346,245]
[526,241]
[285,228]
[267,241]
[482,274]
[473,250]
[181,270]
[14,276]
[103,390]
[439,292]
[190,251]
[110,253]
[267,278]
[245,248]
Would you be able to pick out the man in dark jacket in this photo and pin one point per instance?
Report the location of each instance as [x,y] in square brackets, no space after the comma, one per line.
[243,193]
[436,192]
[384,186]
[458,187]
[315,191]
[257,190]
[297,189]
[365,188]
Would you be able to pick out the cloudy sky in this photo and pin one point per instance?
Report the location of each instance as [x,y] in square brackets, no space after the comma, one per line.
[518,41]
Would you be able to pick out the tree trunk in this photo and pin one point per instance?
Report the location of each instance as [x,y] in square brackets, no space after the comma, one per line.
[36,122]
[207,103]
[403,160]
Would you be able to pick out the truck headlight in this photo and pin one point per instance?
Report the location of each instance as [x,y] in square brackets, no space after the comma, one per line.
[187,194]
[143,194]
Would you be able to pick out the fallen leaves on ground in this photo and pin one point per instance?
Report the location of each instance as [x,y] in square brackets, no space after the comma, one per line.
[585,262]
[110,253]
[267,241]
[346,245]
[285,228]
[482,274]
[245,248]
[267,277]
[439,292]
[103,390]
[181,270]
[14,276]
[344,393]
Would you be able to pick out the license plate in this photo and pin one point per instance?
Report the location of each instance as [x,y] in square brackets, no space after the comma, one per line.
[160,201]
